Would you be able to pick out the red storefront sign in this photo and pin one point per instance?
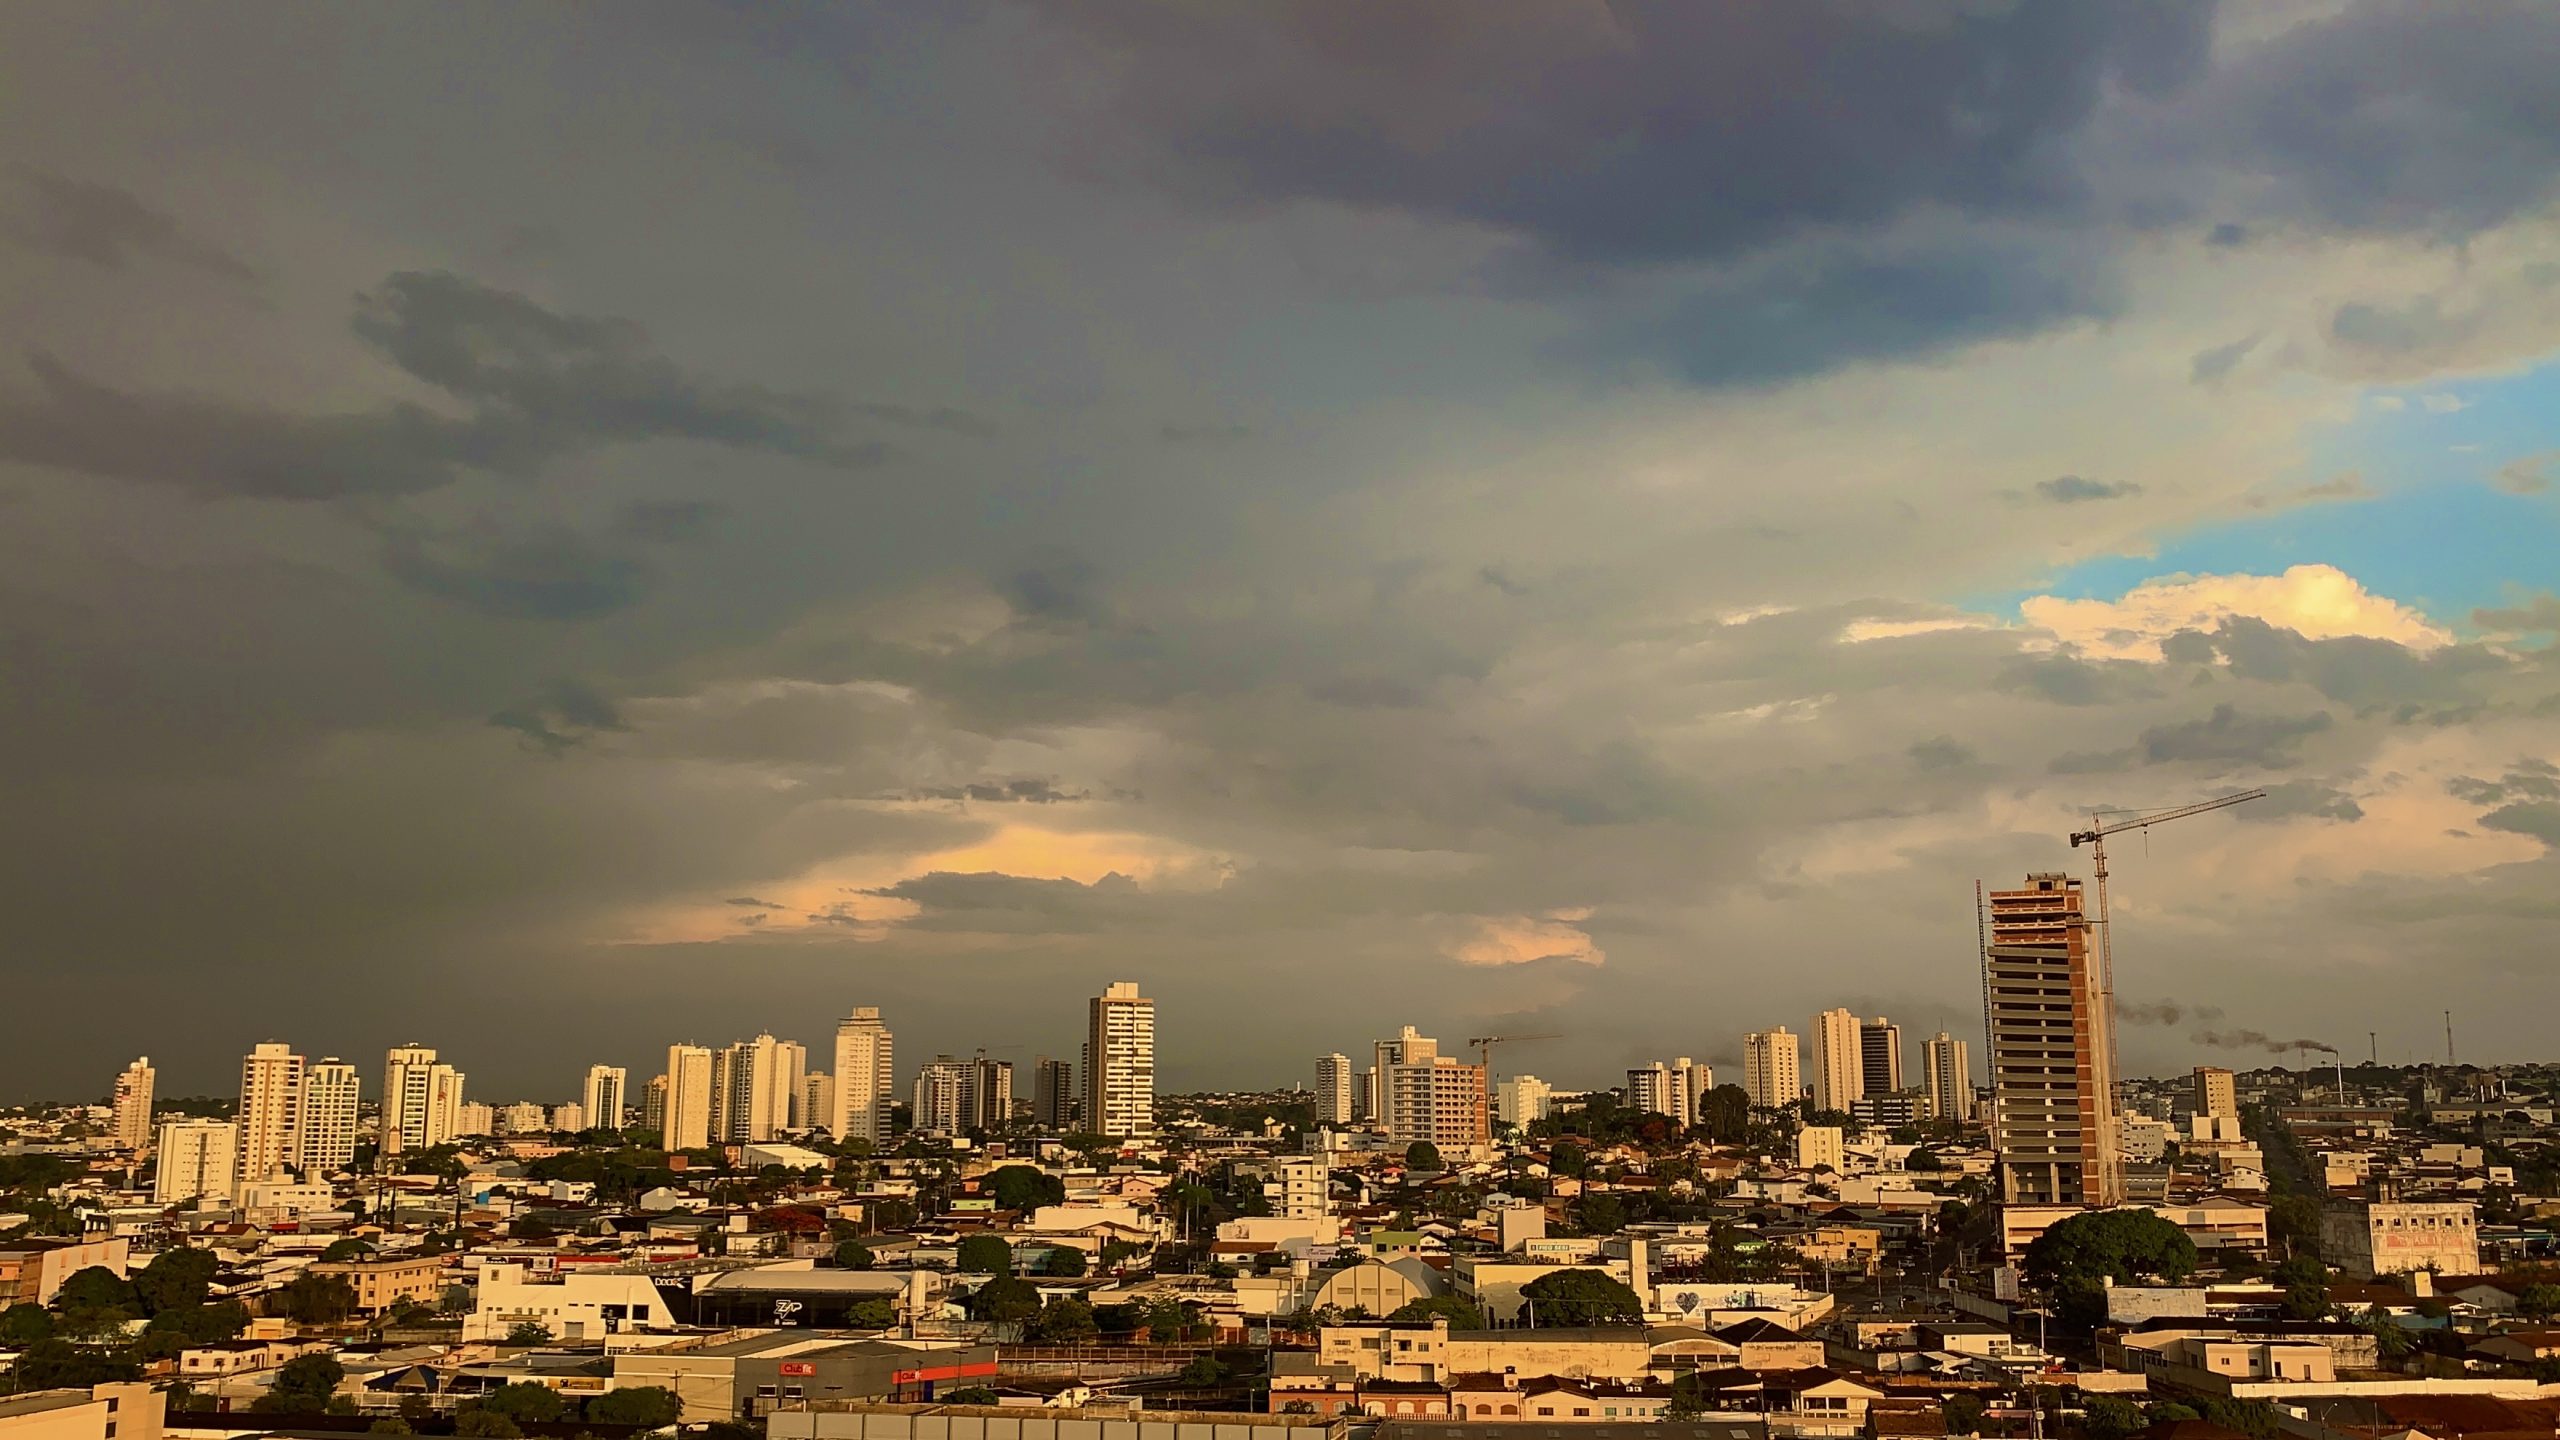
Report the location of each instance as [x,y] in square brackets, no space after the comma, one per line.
[797,1369]
[942,1372]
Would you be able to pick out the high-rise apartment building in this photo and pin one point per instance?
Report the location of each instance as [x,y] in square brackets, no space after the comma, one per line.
[1053,1094]
[1879,1057]
[133,1106]
[1839,1074]
[1425,1095]
[689,1082]
[330,1092]
[2215,1094]
[421,1100]
[990,1093]
[1674,1089]
[1120,1062]
[569,1119]
[941,1099]
[791,1072]
[199,1160]
[1770,1073]
[653,1106]
[2052,1072]
[270,1114]
[866,1078]
[522,1118]
[751,1085]
[818,1100]
[1522,1100]
[1333,1089]
[1950,1078]
[600,1099]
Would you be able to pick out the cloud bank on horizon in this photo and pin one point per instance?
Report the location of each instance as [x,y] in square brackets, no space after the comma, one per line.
[552,534]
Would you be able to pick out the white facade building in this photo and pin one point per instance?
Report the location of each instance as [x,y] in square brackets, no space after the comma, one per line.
[133,1106]
[199,1160]
[1839,1072]
[1950,1078]
[270,1114]
[689,1077]
[1333,1089]
[866,1078]
[604,1096]
[329,1118]
[421,1100]
[1120,1062]
[1770,1072]
[1523,1100]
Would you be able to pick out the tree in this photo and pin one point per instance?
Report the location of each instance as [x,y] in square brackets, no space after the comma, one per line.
[175,1279]
[652,1407]
[2073,1261]
[2539,1302]
[1064,1262]
[1004,1298]
[1964,1415]
[1067,1320]
[303,1386]
[485,1423]
[875,1313]
[1923,1159]
[453,1299]
[1025,1187]
[61,1365]
[390,1425]
[349,1248]
[528,1332]
[1461,1314]
[970,1395]
[1600,1214]
[1203,1370]
[1566,1160]
[986,1255]
[2109,1417]
[97,1288]
[1580,1297]
[317,1299]
[854,1255]
[532,1225]
[523,1401]
[1422,1155]
[25,1324]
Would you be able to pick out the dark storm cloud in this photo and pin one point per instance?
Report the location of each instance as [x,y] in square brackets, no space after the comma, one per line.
[2400,116]
[2540,616]
[2210,366]
[1008,792]
[2298,798]
[550,572]
[2075,489]
[2070,680]
[564,717]
[2351,669]
[103,226]
[1941,752]
[1638,132]
[2231,737]
[669,522]
[537,385]
[2537,818]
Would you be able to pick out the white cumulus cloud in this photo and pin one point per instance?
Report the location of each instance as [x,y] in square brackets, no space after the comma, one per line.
[2320,601]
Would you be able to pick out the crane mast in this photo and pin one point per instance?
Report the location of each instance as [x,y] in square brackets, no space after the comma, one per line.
[2095,837]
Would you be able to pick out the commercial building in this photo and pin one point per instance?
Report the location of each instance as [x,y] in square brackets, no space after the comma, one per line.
[199,1160]
[579,1307]
[1522,1100]
[1120,1062]
[1879,1057]
[329,1117]
[688,1104]
[600,1100]
[1674,1089]
[2215,1092]
[270,1113]
[2365,1239]
[133,1106]
[1053,1094]
[2052,1073]
[1950,1077]
[1839,1073]
[1425,1095]
[866,1077]
[1770,1073]
[421,1100]
[1333,1089]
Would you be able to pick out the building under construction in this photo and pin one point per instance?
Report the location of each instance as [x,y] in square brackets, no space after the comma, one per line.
[2052,1056]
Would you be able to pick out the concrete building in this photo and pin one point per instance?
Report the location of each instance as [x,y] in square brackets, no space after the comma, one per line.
[1425,1095]
[818,1100]
[119,1410]
[751,1084]
[792,1072]
[1770,1073]
[2364,1239]
[653,1105]
[1821,1147]
[1674,1089]
[475,1118]
[32,1270]
[601,1098]
[941,1102]
[329,1117]
[581,1306]
[990,1098]
[1522,1100]
[2215,1093]
[133,1106]
[569,1119]
[1120,1062]
[1333,1089]
[381,1284]
[199,1160]
[1053,1094]
[1300,1187]
[689,1081]
[866,1077]
[421,1100]
[1879,1057]
[522,1118]
[1839,1074]
[2052,1075]
[1950,1077]
[270,1113]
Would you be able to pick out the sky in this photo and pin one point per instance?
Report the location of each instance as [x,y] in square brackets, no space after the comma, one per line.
[552,531]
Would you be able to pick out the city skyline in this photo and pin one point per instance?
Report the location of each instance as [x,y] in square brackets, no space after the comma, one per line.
[1608,535]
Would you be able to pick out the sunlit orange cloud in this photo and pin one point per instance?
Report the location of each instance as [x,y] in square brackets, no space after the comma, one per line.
[1500,940]
[834,898]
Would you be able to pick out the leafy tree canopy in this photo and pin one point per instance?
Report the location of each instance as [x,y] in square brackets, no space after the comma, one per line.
[986,1255]
[1579,1297]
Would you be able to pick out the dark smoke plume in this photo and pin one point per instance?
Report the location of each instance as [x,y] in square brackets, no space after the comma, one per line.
[2164,1012]
[2259,1040]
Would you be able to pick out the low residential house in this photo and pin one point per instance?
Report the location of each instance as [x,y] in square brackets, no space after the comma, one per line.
[1553,1398]
[219,1358]
[1767,1345]
[31,1270]
[120,1410]
[381,1284]
[2519,1347]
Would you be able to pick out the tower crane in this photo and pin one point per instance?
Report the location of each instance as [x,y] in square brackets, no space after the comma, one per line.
[2095,837]
[1484,1051]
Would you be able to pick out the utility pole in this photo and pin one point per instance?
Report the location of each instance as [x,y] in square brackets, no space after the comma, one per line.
[2373,1049]
[2448,1039]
